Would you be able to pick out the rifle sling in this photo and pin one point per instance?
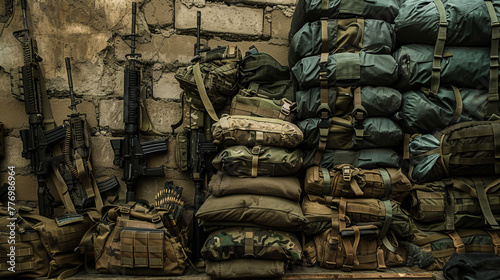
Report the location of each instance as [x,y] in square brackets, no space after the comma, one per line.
[203,93]
[62,189]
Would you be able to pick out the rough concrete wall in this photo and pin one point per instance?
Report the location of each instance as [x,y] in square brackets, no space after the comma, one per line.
[88,31]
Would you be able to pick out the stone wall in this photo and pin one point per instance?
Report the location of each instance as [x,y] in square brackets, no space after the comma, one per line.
[88,31]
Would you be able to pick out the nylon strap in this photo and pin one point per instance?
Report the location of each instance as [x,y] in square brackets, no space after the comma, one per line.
[386,178]
[495,127]
[457,242]
[495,239]
[388,217]
[203,93]
[62,189]
[484,203]
[97,199]
[380,260]
[327,180]
[249,235]
[493,98]
[459,105]
[439,47]
[82,173]
[350,182]
[388,244]
[255,160]
[450,210]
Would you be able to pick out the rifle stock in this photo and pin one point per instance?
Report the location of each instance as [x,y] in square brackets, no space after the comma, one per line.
[130,153]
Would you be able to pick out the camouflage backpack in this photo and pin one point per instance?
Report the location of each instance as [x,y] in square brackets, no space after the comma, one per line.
[212,80]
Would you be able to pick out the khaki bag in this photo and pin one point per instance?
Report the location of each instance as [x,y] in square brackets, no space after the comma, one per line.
[459,202]
[444,244]
[131,239]
[247,103]
[352,248]
[245,269]
[252,131]
[222,184]
[258,161]
[347,181]
[252,243]
[212,80]
[251,210]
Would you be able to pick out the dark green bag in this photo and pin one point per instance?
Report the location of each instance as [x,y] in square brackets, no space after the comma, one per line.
[464,149]
[310,10]
[275,90]
[261,68]
[367,158]
[378,133]
[347,69]
[468,21]
[415,62]
[258,161]
[458,202]
[377,101]
[344,35]
[423,113]
[245,269]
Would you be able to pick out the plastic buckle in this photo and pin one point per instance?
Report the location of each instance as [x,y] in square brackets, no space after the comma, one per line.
[324,111]
[346,173]
[124,210]
[156,218]
[286,107]
[256,150]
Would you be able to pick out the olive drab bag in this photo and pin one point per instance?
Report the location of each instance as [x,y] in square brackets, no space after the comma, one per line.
[348,181]
[375,101]
[248,103]
[251,131]
[366,158]
[245,269]
[464,149]
[44,247]
[443,245]
[458,202]
[212,80]
[313,10]
[132,239]
[261,68]
[258,161]
[344,35]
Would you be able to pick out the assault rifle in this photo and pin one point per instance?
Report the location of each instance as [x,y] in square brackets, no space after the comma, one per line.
[37,141]
[77,142]
[201,144]
[130,153]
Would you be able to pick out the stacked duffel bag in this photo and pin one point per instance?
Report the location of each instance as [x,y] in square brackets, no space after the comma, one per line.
[253,213]
[449,78]
[340,54]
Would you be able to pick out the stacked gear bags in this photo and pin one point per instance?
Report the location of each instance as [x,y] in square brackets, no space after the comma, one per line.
[449,75]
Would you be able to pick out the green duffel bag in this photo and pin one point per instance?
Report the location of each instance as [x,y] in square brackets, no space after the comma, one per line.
[252,131]
[251,210]
[310,10]
[261,68]
[469,22]
[377,133]
[347,69]
[275,90]
[443,245]
[463,149]
[222,184]
[248,103]
[424,113]
[258,161]
[460,67]
[377,101]
[245,269]
[252,243]
[344,35]
[458,202]
[367,158]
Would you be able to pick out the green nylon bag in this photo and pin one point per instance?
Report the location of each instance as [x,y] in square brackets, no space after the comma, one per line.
[261,68]
[347,69]
[366,158]
[377,101]
[469,23]
[460,67]
[378,133]
[245,269]
[424,113]
[344,35]
[251,210]
[458,202]
[463,149]
[254,243]
[310,10]
[258,161]
[275,90]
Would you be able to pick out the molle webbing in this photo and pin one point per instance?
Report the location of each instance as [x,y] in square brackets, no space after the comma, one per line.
[493,98]
[439,48]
